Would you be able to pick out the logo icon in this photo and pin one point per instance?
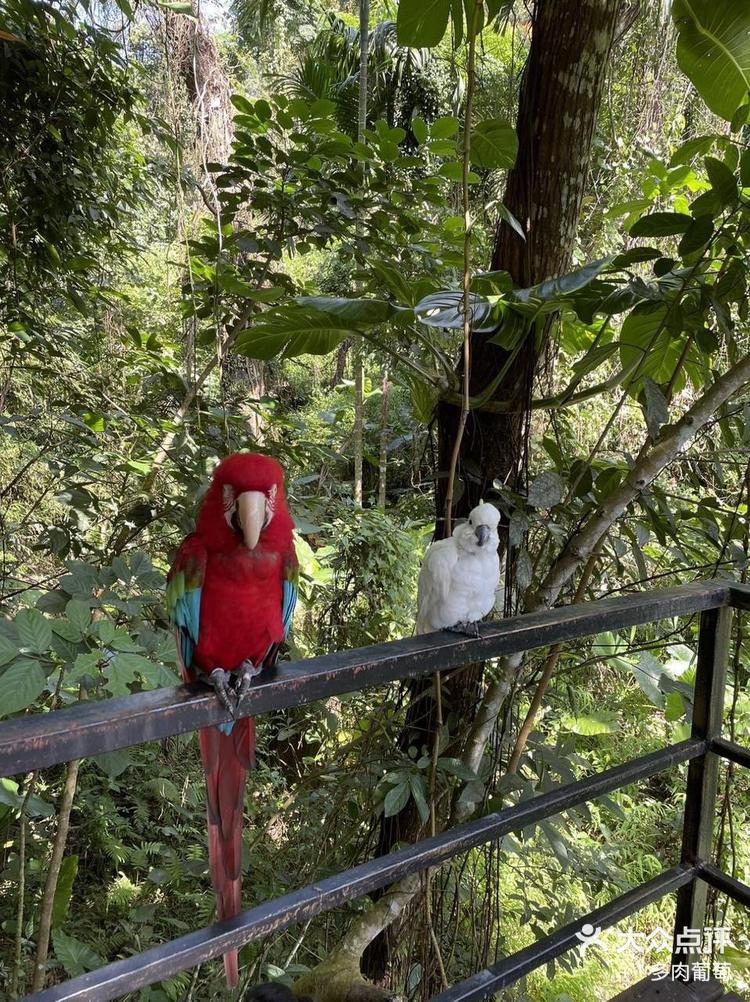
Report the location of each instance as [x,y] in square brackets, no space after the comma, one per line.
[588,935]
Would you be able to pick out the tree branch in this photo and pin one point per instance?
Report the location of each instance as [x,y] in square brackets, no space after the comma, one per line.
[665,450]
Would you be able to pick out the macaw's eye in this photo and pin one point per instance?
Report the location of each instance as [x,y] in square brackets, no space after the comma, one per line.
[234,520]
[470,522]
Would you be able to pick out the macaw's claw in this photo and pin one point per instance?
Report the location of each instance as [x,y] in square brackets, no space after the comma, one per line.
[467,629]
[244,679]
[219,681]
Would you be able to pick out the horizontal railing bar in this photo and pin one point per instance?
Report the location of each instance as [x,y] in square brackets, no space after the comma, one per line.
[507,971]
[740,595]
[724,883]
[298,906]
[90,728]
[734,752]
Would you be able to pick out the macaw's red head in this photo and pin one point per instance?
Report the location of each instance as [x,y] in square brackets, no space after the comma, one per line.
[245,504]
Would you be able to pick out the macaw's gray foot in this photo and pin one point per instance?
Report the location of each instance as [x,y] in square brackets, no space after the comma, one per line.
[244,679]
[219,680]
[465,628]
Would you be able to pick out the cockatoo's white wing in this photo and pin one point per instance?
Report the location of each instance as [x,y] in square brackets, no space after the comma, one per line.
[434,584]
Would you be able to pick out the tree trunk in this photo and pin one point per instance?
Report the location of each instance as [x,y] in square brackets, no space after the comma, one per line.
[560,95]
[359,374]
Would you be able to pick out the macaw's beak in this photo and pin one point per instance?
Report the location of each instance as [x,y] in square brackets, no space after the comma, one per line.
[251,508]
[483,533]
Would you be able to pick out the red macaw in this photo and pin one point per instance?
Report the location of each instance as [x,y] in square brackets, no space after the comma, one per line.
[231,593]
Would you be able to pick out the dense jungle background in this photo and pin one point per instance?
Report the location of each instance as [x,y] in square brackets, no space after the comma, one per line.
[421,253]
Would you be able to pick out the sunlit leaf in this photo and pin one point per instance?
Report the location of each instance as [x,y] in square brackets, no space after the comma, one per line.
[713,49]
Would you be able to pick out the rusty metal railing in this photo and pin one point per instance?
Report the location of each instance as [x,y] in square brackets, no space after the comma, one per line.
[90,728]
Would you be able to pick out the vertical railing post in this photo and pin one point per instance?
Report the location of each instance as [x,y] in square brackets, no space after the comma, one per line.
[702,780]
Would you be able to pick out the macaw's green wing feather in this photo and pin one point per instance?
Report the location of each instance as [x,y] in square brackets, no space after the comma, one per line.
[289,596]
[183,595]
[288,602]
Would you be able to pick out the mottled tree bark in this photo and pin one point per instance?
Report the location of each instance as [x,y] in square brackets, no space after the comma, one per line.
[560,95]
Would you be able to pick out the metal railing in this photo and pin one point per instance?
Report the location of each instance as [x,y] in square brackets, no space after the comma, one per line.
[90,728]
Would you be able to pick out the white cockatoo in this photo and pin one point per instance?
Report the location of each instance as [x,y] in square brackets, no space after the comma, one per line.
[460,575]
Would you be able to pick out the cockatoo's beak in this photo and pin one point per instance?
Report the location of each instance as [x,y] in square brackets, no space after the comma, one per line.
[483,533]
[251,508]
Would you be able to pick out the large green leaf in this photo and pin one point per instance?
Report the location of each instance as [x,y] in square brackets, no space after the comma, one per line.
[590,724]
[661,224]
[713,49]
[563,285]
[446,309]
[10,796]
[75,956]
[34,631]
[421,23]
[292,331]
[645,338]
[20,684]
[8,649]
[494,144]
[122,670]
[363,312]
[64,889]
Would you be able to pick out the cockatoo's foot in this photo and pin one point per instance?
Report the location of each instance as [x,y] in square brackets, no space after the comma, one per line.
[244,679]
[466,628]
[219,680]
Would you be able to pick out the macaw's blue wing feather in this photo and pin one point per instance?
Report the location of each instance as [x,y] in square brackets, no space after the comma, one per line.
[183,596]
[289,601]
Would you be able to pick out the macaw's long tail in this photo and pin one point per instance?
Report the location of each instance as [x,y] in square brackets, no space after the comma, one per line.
[226,759]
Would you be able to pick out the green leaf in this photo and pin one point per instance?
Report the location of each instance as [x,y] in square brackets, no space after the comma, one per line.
[713,50]
[674,708]
[647,672]
[292,331]
[178,7]
[494,144]
[64,889]
[656,407]
[563,285]
[113,763]
[696,235]
[546,490]
[85,664]
[121,671]
[10,796]
[690,149]
[363,312]
[75,956]
[445,309]
[645,339]
[242,104]
[507,216]
[421,23]
[34,631]
[8,650]
[20,685]
[661,224]
[416,784]
[722,179]
[455,767]
[419,128]
[590,724]
[444,127]
[79,614]
[396,799]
